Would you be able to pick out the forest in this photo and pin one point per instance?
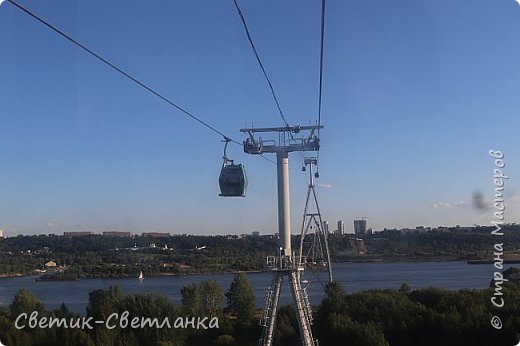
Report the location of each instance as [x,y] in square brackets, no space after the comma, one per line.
[403,317]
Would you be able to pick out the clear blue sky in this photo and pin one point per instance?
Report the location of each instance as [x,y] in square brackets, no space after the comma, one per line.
[415,94]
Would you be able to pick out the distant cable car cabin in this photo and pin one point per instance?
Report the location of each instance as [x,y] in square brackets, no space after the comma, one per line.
[232,179]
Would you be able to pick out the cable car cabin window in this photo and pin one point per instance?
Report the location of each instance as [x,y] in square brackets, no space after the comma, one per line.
[233,181]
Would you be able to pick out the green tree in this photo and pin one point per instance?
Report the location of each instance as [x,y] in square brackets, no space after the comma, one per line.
[340,328]
[241,298]
[334,298]
[405,288]
[287,331]
[102,303]
[191,300]
[205,299]
[25,302]
[225,340]
[212,298]
[9,335]
[151,305]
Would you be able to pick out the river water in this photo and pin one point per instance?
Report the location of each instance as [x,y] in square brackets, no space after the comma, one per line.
[354,277]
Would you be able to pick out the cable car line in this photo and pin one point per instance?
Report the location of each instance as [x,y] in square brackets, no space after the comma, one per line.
[127,75]
[321,79]
[261,65]
[321,61]
[264,72]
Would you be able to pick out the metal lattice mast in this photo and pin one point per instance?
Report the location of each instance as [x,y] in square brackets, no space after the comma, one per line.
[284,263]
[314,252]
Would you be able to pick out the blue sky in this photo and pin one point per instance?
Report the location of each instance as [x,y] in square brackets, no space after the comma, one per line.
[415,94]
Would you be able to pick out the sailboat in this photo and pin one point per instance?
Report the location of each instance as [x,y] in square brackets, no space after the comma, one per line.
[141,277]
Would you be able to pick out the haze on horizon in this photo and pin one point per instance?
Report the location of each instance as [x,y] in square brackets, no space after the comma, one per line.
[415,95]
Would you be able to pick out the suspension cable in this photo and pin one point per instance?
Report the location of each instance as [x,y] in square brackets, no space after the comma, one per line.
[248,34]
[321,74]
[126,74]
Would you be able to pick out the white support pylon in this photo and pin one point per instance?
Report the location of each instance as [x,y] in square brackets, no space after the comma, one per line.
[285,263]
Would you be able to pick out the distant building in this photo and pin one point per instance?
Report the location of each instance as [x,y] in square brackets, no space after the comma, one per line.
[117,234]
[406,230]
[360,246]
[1,233]
[77,234]
[421,229]
[50,264]
[325,227]
[341,227]
[156,234]
[463,229]
[360,227]
[255,234]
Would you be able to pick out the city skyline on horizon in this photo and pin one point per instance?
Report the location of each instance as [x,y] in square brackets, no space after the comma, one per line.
[347,230]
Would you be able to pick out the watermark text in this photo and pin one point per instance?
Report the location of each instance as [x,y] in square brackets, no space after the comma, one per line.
[497,222]
[115,320]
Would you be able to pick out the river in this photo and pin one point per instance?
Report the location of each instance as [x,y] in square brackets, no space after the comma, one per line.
[354,277]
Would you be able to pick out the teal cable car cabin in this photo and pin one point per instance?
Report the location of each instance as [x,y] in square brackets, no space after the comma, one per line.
[232,180]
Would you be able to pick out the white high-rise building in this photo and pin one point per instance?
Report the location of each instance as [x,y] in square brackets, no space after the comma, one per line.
[1,233]
[341,227]
[325,227]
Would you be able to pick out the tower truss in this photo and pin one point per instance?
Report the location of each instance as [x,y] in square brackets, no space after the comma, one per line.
[314,248]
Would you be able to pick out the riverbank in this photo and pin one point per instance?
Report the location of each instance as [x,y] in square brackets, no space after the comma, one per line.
[194,272]
[47,278]
[15,275]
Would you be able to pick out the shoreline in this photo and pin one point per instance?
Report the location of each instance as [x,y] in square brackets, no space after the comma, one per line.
[357,260]
[14,275]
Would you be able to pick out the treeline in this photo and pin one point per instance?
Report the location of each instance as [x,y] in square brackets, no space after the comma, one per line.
[451,245]
[426,317]
[101,256]
[99,243]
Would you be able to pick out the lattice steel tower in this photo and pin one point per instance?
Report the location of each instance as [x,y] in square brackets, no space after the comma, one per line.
[314,248]
[284,262]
